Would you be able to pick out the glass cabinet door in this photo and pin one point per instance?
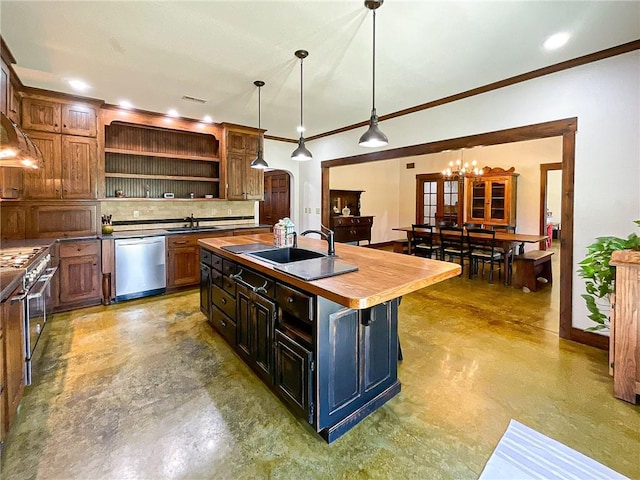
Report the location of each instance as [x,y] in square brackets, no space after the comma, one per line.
[478,197]
[498,199]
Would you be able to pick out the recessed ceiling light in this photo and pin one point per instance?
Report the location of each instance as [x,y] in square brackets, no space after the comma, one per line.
[556,41]
[173,113]
[79,85]
[125,104]
[207,119]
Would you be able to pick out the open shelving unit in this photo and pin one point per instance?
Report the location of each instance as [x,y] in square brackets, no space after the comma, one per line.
[141,159]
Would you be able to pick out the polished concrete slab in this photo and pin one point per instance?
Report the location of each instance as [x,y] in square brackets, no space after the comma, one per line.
[145,389]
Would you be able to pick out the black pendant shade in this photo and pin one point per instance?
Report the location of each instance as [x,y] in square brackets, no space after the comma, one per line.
[373,137]
[259,162]
[301,153]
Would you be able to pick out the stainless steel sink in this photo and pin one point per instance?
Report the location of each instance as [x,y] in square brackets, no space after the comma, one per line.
[287,255]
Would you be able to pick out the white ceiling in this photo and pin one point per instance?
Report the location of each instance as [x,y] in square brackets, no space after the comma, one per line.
[153,53]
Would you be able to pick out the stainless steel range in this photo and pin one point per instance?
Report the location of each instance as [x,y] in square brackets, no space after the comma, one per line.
[36,296]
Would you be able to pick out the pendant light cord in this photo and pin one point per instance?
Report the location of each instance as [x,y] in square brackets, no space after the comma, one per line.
[373,99]
[259,135]
[301,116]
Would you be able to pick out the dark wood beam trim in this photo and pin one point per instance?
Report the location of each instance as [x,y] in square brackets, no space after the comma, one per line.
[529,132]
[280,139]
[566,239]
[576,62]
[325,199]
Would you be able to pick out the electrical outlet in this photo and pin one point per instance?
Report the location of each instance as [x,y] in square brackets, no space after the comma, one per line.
[136,214]
[317,211]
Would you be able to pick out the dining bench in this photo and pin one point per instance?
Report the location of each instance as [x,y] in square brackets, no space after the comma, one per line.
[529,266]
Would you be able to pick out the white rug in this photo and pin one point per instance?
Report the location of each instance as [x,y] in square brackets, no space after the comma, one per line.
[524,454]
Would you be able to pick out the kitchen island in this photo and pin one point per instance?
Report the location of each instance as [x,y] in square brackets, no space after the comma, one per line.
[328,348]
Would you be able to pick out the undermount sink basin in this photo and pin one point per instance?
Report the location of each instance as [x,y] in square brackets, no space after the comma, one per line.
[287,255]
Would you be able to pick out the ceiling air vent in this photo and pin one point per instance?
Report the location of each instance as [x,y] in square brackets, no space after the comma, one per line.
[189,98]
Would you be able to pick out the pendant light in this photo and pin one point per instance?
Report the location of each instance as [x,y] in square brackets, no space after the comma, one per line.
[373,137]
[301,153]
[259,162]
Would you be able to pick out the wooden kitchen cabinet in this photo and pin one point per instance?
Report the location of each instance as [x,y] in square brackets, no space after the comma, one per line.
[68,219]
[491,198]
[243,182]
[183,261]
[69,170]
[14,355]
[54,116]
[79,269]
[12,222]
[11,182]
[5,76]
[143,159]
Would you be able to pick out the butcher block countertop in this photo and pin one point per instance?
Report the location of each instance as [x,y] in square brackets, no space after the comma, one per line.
[381,275]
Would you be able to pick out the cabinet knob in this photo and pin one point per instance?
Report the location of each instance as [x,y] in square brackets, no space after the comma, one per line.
[290,299]
[223,323]
[223,301]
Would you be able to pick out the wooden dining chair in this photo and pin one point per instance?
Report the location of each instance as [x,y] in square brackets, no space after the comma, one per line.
[452,244]
[508,254]
[422,240]
[482,247]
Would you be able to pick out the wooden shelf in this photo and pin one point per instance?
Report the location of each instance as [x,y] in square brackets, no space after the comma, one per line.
[161,155]
[162,177]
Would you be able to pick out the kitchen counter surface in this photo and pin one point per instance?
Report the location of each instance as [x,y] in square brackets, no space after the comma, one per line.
[154,232]
[9,281]
[381,275]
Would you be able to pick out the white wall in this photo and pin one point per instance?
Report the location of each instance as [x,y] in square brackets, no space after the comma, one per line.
[278,156]
[604,96]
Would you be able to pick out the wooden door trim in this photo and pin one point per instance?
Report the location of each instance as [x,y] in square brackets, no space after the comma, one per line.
[544,169]
[565,128]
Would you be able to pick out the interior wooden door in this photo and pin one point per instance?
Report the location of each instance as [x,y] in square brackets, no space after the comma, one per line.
[276,204]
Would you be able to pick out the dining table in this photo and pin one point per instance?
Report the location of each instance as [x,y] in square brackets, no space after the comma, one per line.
[506,239]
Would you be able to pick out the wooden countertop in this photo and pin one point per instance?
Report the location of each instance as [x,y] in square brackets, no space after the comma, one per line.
[382,275]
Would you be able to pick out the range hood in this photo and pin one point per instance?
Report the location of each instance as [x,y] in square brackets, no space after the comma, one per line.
[16,148]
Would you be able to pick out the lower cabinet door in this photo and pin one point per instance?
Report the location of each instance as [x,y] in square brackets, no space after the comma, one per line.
[244,338]
[205,290]
[264,312]
[293,376]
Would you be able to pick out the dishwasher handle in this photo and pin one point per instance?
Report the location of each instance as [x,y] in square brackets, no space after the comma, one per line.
[139,241]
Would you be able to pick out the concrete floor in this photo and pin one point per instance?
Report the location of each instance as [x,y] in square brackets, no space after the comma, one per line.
[145,389]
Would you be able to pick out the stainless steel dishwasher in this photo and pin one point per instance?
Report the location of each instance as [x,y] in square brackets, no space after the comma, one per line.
[140,267]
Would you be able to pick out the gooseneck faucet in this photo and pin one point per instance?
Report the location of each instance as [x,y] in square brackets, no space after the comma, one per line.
[329,237]
[192,221]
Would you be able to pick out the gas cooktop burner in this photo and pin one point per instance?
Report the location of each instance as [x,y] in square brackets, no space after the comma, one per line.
[18,257]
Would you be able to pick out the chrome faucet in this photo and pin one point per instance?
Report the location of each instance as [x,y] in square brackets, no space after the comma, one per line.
[329,237]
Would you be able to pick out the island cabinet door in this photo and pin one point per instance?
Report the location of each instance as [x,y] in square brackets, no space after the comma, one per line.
[293,375]
[205,290]
[357,360]
[244,340]
[263,322]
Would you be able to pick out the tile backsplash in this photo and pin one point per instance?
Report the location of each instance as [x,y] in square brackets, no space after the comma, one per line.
[216,212]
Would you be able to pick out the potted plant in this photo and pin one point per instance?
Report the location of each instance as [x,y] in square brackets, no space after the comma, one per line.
[599,275]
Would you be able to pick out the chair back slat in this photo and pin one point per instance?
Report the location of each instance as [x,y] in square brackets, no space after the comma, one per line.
[422,239]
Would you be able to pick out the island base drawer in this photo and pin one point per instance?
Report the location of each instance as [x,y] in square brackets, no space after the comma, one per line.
[223,325]
[224,301]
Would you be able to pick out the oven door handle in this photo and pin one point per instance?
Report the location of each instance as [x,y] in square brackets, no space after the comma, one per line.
[48,273]
[19,298]
[45,283]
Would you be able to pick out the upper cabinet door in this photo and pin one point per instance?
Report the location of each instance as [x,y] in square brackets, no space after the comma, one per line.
[79,167]
[44,183]
[78,119]
[42,115]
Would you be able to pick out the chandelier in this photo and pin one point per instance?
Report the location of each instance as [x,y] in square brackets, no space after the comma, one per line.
[460,170]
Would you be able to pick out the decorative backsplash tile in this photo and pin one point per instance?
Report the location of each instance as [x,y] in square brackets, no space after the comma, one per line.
[145,211]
